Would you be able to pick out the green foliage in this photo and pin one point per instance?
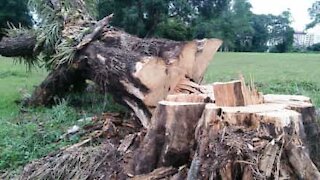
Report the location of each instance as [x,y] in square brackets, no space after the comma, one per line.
[58,46]
[281,33]
[314,13]
[231,21]
[174,29]
[30,136]
[14,12]
[315,47]
[35,133]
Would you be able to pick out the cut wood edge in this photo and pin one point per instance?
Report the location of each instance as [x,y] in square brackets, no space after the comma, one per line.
[159,78]
[250,93]
[206,51]
[236,93]
[183,98]
[278,98]
[228,93]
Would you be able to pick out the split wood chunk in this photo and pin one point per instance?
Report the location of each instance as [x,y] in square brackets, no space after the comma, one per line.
[268,158]
[301,162]
[170,137]
[187,86]
[207,49]
[228,94]
[235,93]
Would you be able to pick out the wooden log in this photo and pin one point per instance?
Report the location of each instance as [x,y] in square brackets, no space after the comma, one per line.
[203,59]
[22,45]
[301,162]
[228,94]
[137,72]
[236,93]
[169,139]
[57,84]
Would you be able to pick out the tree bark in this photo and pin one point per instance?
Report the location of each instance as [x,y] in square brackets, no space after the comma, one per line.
[22,45]
[57,84]
[169,140]
[137,72]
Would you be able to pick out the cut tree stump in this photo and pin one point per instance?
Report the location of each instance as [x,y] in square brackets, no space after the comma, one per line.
[221,131]
[266,139]
[169,140]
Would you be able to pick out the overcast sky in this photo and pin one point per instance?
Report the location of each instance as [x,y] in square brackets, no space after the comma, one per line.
[298,9]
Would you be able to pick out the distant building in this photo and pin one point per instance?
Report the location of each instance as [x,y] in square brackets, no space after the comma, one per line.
[316,39]
[303,39]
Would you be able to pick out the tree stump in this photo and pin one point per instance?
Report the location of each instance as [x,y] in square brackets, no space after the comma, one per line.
[257,141]
[169,140]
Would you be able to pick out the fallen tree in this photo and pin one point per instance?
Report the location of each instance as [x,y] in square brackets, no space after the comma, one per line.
[190,137]
[216,131]
[137,72]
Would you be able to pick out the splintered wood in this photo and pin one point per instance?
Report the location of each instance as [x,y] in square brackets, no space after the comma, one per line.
[242,135]
[236,93]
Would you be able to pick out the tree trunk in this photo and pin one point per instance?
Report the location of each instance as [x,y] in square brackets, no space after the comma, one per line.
[266,140]
[137,72]
[169,138]
[21,45]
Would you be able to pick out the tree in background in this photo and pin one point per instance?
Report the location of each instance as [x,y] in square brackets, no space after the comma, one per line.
[230,20]
[15,12]
[315,47]
[314,12]
[281,33]
[243,30]
[260,35]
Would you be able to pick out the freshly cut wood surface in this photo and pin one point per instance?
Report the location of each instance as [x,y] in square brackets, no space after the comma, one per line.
[207,50]
[228,94]
[236,93]
[285,98]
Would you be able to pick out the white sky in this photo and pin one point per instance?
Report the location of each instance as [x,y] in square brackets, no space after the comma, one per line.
[298,9]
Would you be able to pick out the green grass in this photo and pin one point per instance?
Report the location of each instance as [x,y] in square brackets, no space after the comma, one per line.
[273,73]
[27,136]
[33,133]
[14,81]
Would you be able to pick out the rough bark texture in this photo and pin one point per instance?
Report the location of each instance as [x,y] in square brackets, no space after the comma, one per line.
[243,142]
[262,139]
[59,82]
[21,45]
[169,141]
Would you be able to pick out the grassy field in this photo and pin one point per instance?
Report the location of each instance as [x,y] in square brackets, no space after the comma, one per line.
[15,80]
[273,73]
[26,136]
